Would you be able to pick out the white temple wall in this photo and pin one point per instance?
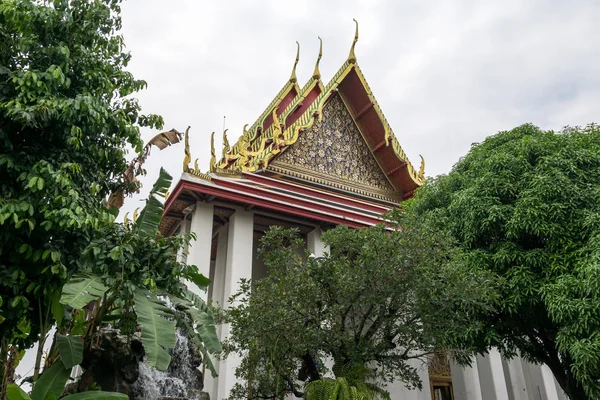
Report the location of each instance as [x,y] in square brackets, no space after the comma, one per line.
[398,390]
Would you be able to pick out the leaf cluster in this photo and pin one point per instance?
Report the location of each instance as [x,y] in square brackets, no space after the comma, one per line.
[378,299]
[524,206]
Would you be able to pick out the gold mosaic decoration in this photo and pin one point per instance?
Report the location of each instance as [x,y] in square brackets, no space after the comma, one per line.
[439,365]
[335,147]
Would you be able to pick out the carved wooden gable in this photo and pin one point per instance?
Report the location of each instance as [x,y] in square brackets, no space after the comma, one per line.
[333,152]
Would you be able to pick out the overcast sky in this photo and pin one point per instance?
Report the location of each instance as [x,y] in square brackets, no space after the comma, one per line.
[446,73]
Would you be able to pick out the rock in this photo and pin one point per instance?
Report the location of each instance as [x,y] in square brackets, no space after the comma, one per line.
[112,364]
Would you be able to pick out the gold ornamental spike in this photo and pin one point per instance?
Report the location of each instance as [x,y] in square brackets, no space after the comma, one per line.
[293,77]
[136,214]
[188,156]
[126,219]
[213,157]
[226,146]
[422,169]
[317,73]
[352,56]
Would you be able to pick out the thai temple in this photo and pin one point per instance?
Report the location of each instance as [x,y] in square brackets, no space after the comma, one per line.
[318,156]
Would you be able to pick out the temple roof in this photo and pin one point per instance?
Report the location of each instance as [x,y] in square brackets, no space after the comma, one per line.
[295,110]
[269,196]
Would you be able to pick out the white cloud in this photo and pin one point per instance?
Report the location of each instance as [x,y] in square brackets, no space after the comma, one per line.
[446,74]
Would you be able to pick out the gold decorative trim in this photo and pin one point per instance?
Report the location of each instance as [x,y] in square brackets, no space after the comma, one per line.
[317,73]
[227,172]
[417,177]
[199,174]
[187,158]
[439,365]
[332,181]
[213,157]
[352,56]
[293,77]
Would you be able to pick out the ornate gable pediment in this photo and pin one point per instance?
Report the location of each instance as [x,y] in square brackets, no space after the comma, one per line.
[334,153]
[298,113]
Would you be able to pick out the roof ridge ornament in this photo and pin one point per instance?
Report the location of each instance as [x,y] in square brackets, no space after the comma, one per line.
[226,146]
[352,56]
[213,157]
[317,73]
[187,159]
[293,77]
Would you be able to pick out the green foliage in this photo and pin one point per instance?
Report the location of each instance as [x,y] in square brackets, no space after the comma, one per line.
[82,289]
[67,120]
[524,205]
[373,304]
[151,215]
[158,332]
[14,392]
[71,349]
[52,383]
[340,389]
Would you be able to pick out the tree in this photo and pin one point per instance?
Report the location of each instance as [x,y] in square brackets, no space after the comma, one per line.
[376,302]
[525,206]
[67,120]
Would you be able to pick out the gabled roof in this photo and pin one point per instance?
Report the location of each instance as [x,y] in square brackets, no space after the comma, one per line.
[256,149]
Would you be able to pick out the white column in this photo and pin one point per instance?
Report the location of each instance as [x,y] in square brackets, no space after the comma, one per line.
[518,386]
[211,385]
[498,375]
[218,282]
[315,244]
[237,266]
[549,384]
[491,376]
[318,248]
[182,253]
[398,390]
[199,252]
[465,381]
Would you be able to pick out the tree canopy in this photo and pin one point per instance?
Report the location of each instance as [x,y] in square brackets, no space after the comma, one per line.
[378,300]
[67,122]
[525,205]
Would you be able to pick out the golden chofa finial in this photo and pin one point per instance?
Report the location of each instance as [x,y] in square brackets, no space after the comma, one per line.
[317,73]
[293,77]
[213,157]
[188,156]
[352,56]
[226,146]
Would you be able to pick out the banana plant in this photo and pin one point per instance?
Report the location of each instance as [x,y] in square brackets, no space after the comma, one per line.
[131,270]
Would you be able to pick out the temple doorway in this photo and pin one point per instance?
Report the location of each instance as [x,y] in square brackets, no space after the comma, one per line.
[440,377]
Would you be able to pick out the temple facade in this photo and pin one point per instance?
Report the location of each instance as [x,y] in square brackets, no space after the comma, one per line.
[318,156]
